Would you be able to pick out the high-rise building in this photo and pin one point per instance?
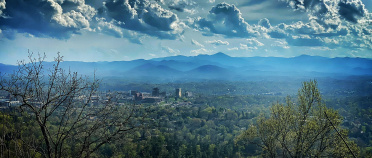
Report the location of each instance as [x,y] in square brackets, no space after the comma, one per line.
[138,96]
[178,93]
[155,92]
[188,94]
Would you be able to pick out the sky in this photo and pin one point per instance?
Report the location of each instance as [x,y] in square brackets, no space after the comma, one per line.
[115,30]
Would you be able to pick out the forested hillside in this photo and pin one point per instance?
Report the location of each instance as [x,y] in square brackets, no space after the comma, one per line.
[64,114]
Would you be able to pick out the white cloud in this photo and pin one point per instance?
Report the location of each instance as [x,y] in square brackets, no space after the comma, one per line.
[227,20]
[109,27]
[145,17]
[331,23]
[71,19]
[57,19]
[112,28]
[254,42]
[180,5]
[243,46]
[217,42]
[233,48]
[77,18]
[171,50]
[349,10]
[200,51]
[191,11]
[194,42]
[246,47]
[322,48]
[2,6]
[281,44]
[88,11]
[264,23]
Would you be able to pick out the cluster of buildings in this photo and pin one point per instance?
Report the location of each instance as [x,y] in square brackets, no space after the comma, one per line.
[143,97]
[156,95]
[187,94]
[6,100]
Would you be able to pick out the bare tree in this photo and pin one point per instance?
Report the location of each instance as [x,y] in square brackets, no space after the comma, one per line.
[60,102]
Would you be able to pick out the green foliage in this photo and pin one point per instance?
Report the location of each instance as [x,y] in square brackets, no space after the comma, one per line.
[16,139]
[304,129]
[208,126]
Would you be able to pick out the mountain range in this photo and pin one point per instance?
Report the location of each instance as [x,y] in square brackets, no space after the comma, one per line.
[218,66]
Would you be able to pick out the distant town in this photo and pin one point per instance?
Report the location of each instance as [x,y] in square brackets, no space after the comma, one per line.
[131,96]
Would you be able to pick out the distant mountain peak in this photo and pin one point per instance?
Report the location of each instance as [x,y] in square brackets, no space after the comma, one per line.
[221,54]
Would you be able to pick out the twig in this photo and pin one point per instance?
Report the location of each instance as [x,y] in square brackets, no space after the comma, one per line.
[339,135]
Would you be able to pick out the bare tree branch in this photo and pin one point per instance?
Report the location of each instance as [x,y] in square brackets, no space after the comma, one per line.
[62,94]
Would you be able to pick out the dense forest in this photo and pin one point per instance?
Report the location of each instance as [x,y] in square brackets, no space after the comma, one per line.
[63,114]
[199,126]
[185,78]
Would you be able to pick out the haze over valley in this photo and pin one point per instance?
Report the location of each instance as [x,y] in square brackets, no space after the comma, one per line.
[185,78]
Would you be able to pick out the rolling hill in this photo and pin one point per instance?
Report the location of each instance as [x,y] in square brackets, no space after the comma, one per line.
[219,67]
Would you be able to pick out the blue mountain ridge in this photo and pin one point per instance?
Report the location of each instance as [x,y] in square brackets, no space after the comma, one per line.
[219,66]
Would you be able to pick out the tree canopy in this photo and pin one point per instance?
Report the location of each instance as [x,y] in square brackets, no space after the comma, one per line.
[301,128]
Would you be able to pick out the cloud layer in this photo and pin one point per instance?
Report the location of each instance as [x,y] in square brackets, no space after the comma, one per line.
[46,18]
[227,20]
[63,18]
[329,23]
[2,6]
[143,16]
[217,42]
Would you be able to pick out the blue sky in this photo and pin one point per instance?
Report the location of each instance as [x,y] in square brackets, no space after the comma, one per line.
[113,30]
